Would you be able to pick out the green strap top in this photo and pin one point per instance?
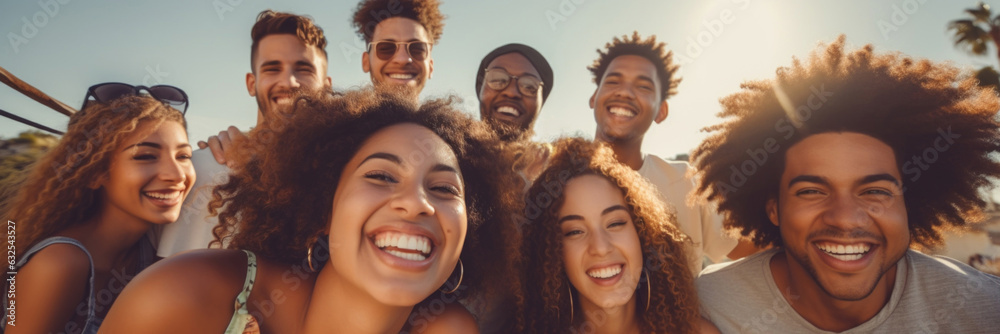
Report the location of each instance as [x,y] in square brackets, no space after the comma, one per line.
[240,314]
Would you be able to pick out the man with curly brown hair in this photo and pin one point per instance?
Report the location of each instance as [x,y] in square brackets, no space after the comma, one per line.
[399,37]
[841,163]
[634,78]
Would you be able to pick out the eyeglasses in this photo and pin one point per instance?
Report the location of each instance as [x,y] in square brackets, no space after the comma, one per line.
[384,50]
[498,79]
[108,91]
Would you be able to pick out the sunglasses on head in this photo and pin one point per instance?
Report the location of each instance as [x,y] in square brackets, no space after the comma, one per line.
[498,79]
[384,50]
[108,91]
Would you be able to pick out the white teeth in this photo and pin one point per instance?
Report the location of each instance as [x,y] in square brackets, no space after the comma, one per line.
[845,252]
[605,272]
[508,111]
[404,242]
[619,111]
[163,196]
[402,76]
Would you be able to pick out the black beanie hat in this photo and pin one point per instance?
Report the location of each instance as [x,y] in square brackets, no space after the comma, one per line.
[536,59]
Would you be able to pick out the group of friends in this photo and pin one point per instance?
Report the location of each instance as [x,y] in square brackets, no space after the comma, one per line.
[370,211]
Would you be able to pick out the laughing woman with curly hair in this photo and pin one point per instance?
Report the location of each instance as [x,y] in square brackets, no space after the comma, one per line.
[601,252]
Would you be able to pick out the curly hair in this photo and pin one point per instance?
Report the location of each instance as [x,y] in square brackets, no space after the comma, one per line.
[59,191]
[370,12]
[906,103]
[673,304]
[270,22]
[656,53]
[278,198]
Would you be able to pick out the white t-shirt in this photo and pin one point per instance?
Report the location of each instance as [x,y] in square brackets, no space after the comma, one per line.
[193,229]
[931,294]
[700,222]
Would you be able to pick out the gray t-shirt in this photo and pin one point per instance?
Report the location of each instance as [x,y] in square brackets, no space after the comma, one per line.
[931,295]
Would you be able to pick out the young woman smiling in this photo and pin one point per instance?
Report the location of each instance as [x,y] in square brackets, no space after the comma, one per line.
[346,217]
[604,256]
[83,210]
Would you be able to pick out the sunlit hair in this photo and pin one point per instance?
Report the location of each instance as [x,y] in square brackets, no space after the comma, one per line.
[656,53]
[279,196]
[369,13]
[908,104]
[270,22]
[62,188]
[674,304]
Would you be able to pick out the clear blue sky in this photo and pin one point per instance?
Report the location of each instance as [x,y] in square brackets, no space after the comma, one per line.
[192,45]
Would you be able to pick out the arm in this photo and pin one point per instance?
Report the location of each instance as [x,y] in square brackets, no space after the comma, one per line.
[48,290]
[706,327]
[192,292]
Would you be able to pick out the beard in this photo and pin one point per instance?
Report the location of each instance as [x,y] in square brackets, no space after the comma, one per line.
[508,132]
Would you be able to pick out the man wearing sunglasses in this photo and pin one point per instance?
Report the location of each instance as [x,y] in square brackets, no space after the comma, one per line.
[288,55]
[512,83]
[399,36]
[634,78]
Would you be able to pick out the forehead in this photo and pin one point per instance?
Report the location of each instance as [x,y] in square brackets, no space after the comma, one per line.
[400,29]
[285,48]
[590,194]
[514,63]
[154,131]
[414,144]
[844,156]
[632,66]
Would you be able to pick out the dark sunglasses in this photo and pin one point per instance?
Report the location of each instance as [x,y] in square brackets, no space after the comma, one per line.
[108,91]
[498,79]
[384,50]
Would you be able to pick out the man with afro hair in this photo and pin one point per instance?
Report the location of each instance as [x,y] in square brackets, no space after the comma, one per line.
[634,78]
[841,163]
[399,37]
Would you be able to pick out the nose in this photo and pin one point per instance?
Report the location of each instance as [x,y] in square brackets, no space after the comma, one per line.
[511,91]
[410,201]
[624,92]
[401,55]
[846,213]
[172,171]
[288,79]
[599,243]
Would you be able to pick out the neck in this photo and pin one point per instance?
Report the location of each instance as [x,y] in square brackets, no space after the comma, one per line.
[109,235]
[338,304]
[628,152]
[615,319]
[821,309]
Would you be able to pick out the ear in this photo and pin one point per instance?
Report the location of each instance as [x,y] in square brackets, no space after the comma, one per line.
[365,62]
[328,82]
[662,113]
[251,82]
[772,211]
[430,69]
[592,98]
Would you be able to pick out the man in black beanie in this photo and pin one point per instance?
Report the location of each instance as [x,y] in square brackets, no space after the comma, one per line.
[512,83]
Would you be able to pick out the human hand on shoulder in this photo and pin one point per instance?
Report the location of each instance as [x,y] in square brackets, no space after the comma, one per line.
[222,144]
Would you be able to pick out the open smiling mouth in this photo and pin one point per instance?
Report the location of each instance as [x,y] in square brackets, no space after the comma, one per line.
[402,76]
[165,198]
[404,246]
[622,112]
[851,252]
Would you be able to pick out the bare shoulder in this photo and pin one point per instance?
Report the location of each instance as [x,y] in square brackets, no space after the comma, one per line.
[50,287]
[192,292]
[455,318]
[707,327]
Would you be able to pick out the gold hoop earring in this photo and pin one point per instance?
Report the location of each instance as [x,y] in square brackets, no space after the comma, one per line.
[649,288]
[570,289]
[309,257]
[461,274]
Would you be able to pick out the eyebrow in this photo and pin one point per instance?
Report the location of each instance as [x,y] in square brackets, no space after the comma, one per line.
[155,145]
[865,180]
[610,209]
[395,159]
[641,77]
[508,72]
